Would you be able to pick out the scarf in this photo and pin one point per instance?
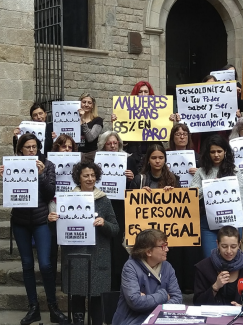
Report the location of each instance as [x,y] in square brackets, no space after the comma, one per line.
[97,193]
[220,263]
[155,271]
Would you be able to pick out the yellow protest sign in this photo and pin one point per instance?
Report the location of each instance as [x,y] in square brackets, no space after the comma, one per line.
[175,212]
[143,118]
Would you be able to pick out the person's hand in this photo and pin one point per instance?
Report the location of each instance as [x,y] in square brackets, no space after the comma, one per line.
[129,174]
[192,171]
[40,166]
[99,222]
[168,296]
[234,303]
[53,135]
[222,279]
[113,117]
[1,170]
[172,117]
[238,113]
[53,216]
[147,188]
[142,294]
[178,117]
[81,113]
[16,132]
[168,188]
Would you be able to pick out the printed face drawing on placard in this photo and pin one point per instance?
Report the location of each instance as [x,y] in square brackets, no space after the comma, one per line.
[210,194]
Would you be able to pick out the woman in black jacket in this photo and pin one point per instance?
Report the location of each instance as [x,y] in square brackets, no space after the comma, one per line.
[28,222]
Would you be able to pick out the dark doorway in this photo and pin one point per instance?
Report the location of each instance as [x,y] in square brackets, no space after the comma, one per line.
[196,42]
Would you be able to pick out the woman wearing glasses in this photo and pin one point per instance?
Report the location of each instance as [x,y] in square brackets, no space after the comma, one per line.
[28,222]
[147,279]
[91,127]
[111,141]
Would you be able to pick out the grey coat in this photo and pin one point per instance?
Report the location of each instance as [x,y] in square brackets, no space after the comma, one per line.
[100,256]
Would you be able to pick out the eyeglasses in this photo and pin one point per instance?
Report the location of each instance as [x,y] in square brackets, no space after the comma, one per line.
[163,246]
[184,134]
[111,143]
[29,147]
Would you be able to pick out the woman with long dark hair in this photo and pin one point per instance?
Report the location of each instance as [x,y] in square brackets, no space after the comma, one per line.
[217,161]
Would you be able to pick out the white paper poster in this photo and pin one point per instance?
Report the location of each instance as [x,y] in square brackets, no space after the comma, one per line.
[179,162]
[223,75]
[237,146]
[222,202]
[63,163]
[113,180]
[36,128]
[20,182]
[66,119]
[207,106]
[76,217]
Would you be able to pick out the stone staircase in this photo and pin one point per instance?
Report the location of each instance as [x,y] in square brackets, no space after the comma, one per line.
[13,297]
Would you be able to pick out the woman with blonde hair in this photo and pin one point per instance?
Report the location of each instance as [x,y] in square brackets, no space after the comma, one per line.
[91,127]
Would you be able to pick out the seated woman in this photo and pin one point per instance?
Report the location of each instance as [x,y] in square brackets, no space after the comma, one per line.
[216,276]
[147,280]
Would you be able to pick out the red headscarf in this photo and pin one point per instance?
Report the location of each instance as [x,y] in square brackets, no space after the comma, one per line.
[138,85]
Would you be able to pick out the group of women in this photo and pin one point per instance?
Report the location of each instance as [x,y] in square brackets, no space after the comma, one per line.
[147,278]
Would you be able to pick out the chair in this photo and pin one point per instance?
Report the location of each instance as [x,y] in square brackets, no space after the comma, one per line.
[109,301]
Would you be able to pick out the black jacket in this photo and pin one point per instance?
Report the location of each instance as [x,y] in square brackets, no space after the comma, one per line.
[46,191]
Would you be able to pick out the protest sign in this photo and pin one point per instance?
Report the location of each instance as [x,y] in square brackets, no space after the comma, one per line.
[175,212]
[113,180]
[207,106]
[222,202]
[20,182]
[63,163]
[223,75]
[76,217]
[66,119]
[36,128]
[143,118]
[237,146]
[179,162]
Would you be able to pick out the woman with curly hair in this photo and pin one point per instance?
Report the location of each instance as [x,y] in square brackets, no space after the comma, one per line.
[217,161]
[85,176]
[155,173]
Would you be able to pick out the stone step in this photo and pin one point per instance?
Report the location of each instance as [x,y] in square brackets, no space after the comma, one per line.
[11,274]
[5,213]
[4,229]
[5,252]
[15,298]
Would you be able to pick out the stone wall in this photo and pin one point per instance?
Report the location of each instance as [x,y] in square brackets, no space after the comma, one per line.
[16,67]
[107,69]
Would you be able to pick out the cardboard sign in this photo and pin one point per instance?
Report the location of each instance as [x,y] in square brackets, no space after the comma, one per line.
[207,106]
[36,128]
[223,75]
[222,202]
[143,118]
[175,212]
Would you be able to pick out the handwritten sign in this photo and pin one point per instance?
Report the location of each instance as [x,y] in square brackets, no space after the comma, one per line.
[179,162]
[237,146]
[143,118]
[63,163]
[113,179]
[36,128]
[76,217]
[66,119]
[222,202]
[207,106]
[20,182]
[175,212]
[223,75]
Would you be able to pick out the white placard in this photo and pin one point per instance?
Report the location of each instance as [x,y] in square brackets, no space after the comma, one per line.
[237,146]
[113,180]
[222,202]
[223,75]
[20,182]
[63,163]
[207,106]
[66,119]
[179,162]
[36,128]
[76,217]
